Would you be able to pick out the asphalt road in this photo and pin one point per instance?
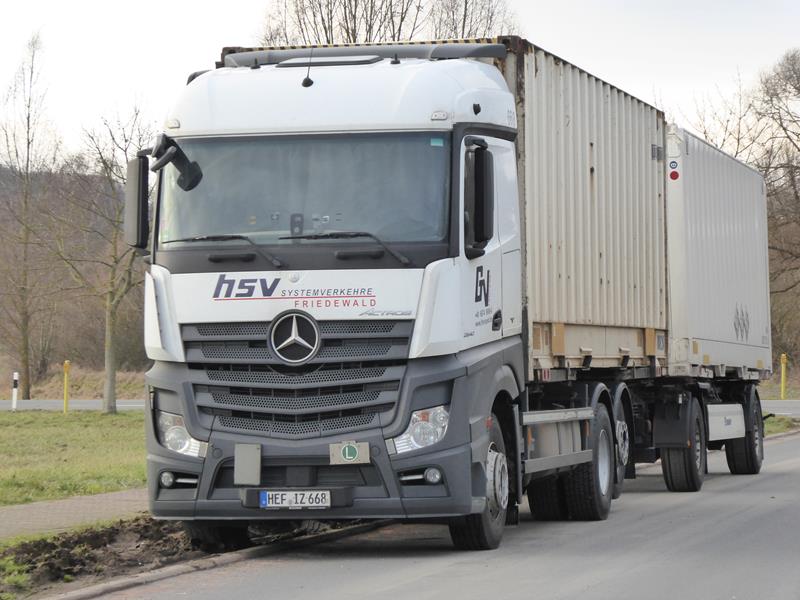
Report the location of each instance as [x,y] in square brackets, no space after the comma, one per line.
[738,538]
[789,408]
[73,404]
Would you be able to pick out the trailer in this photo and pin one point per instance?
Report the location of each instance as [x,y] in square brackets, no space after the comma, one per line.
[425,281]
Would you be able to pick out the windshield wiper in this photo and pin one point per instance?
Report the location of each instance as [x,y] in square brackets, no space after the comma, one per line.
[231,236]
[345,235]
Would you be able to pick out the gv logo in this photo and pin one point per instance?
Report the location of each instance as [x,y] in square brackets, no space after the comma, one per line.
[482,286]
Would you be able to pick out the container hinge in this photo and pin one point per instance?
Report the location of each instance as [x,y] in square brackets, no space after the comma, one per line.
[656,152]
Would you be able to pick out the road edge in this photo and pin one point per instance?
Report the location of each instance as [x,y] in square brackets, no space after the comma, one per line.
[212,562]
[783,434]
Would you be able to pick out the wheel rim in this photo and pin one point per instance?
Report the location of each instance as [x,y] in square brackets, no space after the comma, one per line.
[496,481]
[698,447]
[623,442]
[757,440]
[604,461]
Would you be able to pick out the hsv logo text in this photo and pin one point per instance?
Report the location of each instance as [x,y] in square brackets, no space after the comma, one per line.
[245,288]
[261,288]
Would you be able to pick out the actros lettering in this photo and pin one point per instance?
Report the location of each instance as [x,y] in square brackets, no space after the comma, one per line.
[482,286]
[245,288]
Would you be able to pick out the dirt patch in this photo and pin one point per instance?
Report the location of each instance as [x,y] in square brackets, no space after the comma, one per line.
[125,547]
[77,559]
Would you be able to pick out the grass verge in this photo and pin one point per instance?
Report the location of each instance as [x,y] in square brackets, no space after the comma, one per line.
[87,384]
[771,388]
[780,424]
[49,455]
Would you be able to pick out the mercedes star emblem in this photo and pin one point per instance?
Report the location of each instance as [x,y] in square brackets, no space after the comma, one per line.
[295,338]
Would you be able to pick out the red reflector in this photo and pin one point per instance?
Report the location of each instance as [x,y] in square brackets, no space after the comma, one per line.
[674,175]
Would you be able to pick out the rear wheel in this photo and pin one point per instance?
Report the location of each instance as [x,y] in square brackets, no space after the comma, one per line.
[746,454]
[621,448]
[546,499]
[484,531]
[211,536]
[684,468]
[588,488]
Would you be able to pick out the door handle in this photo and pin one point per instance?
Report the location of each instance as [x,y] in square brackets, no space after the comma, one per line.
[497,320]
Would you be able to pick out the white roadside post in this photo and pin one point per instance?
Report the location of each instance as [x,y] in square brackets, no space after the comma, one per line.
[14,390]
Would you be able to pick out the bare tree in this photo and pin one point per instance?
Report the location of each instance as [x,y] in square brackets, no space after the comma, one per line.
[341,21]
[29,152]
[732,124]
[779,105]
[470,18]
[88,236]
[762,127]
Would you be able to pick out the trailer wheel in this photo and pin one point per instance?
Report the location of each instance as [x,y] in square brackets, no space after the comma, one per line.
[622,448]
[684,468]
[546,499]
[484,531]
[210,536]
[746,454]
[588,488]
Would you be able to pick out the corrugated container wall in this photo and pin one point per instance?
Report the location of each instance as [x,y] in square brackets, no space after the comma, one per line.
[592,183]
[719,273]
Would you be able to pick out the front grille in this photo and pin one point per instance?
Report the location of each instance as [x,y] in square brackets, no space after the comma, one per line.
[300,428]
[271,377]
[352,383]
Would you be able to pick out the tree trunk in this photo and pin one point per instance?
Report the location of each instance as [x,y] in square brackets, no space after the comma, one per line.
[25,294]
[25,352]
[110,383]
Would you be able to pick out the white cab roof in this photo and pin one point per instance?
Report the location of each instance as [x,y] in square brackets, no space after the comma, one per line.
[369,97]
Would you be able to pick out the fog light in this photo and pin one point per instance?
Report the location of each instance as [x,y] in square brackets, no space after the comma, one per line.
[167,479]
[433,475]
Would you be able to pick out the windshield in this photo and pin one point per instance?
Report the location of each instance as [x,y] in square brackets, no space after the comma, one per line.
[392,185]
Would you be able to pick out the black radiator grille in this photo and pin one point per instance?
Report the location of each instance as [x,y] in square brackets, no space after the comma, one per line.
[351,384]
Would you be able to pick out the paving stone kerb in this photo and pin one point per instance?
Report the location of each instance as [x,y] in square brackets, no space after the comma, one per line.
[54,516]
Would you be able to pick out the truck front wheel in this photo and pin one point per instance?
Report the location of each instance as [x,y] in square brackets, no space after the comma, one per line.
[484,531]
[684,468]
[588,488]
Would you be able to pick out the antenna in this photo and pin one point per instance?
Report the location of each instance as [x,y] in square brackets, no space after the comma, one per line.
[308,82]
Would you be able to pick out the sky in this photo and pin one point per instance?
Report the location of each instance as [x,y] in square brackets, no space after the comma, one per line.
[101,58]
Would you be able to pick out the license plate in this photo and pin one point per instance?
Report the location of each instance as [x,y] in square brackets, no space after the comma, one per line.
[294,499]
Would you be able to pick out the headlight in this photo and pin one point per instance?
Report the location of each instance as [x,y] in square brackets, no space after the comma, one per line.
[173,436]
[425,428]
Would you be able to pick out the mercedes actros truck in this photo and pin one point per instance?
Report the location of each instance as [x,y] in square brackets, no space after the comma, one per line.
[423,281]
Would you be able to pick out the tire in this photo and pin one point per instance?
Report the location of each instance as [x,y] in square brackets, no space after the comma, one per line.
[622,448]
[588,487]
[745,455]
[210,536]
[484,531]
[546,499]
[685,468]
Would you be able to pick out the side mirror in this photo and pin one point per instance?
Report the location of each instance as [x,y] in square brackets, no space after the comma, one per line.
[137,226]
[478,197]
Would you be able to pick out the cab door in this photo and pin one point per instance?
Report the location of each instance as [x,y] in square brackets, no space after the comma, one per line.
[481,256]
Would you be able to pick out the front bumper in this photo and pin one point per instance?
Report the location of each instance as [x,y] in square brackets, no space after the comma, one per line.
[371,490]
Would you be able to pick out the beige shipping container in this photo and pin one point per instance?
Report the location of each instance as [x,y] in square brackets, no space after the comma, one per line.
[591,177]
